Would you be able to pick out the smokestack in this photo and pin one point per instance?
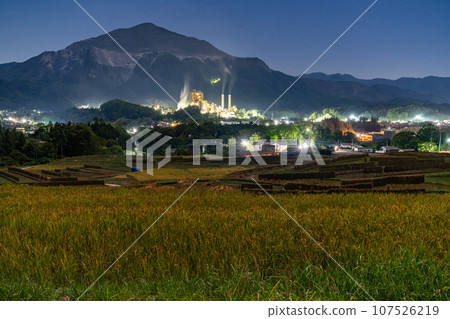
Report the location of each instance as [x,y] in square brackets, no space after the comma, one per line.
[229,102]
[223,102]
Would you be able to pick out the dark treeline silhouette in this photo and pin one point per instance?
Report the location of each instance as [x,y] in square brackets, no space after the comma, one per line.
[57,140]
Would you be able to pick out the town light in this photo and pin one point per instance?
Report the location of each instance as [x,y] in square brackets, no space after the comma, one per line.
[244,143]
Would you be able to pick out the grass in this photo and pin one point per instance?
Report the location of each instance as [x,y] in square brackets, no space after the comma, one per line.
[183,170]
[439,178]
[4,181]
[220,245]
[172,171]
[114,162]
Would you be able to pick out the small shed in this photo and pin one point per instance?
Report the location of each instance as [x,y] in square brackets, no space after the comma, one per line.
[389,149]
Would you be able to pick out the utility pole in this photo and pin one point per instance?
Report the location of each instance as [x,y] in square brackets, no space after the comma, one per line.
[440,138]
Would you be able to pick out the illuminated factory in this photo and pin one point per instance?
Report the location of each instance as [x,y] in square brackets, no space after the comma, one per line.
[197,99]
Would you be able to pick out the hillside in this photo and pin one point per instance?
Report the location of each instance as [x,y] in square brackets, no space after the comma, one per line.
[434,88]
[96,70]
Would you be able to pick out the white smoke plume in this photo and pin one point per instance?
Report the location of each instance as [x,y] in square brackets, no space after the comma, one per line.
[184,95]
[232,79]
[225,74]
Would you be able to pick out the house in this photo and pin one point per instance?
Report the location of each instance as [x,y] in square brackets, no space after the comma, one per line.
[388,149]
[363,149]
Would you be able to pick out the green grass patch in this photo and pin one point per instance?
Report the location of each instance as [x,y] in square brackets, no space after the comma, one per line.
[113,162]
[438,178]
[172,171]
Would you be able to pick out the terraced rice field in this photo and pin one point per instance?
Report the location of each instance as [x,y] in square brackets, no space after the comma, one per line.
[221,245]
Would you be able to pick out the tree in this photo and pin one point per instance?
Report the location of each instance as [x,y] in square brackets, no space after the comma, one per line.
[109,131]
[31,149]
[367,126]
[19,157]
[46,150]
[322,134]
[427,147]
[8,142]
[405,140]
[349,137]
[337,136]
[114,150]
[428,133]
[58,136]
[253,139]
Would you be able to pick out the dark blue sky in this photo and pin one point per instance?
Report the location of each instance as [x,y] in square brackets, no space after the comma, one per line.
[395,38]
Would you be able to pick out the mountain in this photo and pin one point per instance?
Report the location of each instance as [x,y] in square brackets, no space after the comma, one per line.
[434,88]
[6,66]
[96,70]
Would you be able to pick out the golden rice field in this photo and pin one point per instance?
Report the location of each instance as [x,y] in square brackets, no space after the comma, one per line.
[221,245]
[186,171]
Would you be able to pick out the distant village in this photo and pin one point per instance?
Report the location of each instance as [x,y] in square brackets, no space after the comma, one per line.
[357,134]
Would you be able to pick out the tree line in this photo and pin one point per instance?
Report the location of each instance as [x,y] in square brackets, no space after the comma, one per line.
[427,139]
[58,140]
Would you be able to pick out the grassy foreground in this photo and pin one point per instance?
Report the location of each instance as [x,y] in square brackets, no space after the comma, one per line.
[221,245]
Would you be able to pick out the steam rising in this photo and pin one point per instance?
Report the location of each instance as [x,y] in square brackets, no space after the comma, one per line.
[232,81]
[184,95]
[226,74]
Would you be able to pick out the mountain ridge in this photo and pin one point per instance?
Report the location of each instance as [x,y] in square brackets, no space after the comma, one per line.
[96,70]
[436,87]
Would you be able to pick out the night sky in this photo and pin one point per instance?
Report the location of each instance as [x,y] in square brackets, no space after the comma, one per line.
[395,38]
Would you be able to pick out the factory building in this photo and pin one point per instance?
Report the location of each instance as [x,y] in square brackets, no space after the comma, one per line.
[197,99]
